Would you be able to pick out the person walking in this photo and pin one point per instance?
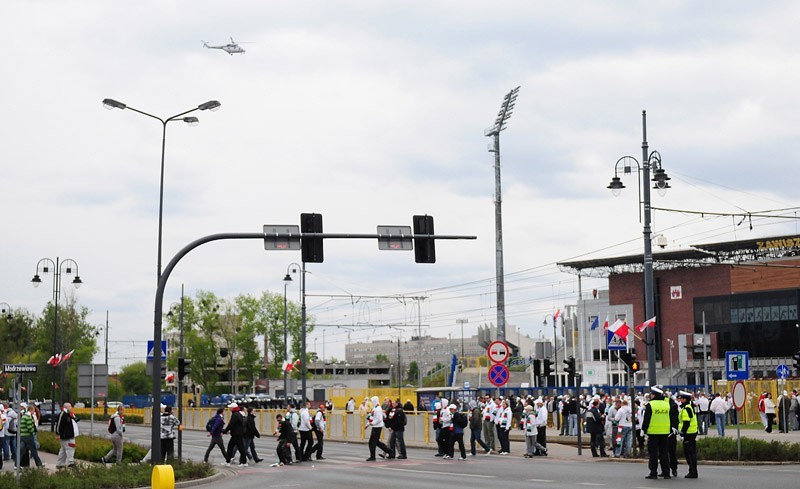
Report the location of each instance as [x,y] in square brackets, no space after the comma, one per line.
[475,428]
[688,429]
[66,432]
[169,424]
[284,432]
[658,426]
[294,421]
[320,421]
[27,443]
[215,426]
[249,435]
[503,427]
[489,411]
[459,422]
[235,428]
[531,420]
[784,405]
[306,435]
[624,419]
[116,427]
[595,428]
[376,423]
[720,410]
[769,410]
[702,414]
[397,423]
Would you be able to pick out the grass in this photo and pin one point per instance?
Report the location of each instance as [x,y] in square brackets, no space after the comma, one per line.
[95,476]
[753,450]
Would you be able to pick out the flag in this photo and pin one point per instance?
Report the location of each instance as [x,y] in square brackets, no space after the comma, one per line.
[595,323]
[288,366]
[650,322]
[170,378]
[605,324]
[555,316]
[620,328]
[67,356]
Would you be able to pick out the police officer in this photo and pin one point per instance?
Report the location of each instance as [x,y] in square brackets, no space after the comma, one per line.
[674,412]
[688,429]
[658,425]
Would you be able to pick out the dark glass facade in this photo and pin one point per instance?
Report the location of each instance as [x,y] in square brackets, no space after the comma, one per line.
[762,323]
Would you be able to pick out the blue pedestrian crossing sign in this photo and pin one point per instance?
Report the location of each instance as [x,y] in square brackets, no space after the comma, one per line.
[615,342]
[151,344]
[737,365]
[782,371]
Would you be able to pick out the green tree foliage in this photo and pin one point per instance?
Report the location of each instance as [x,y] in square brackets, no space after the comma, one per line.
[413,373]
[212,324]
[381,358]
[134,379]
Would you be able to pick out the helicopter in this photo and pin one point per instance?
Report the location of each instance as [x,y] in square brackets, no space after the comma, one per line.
[232,48]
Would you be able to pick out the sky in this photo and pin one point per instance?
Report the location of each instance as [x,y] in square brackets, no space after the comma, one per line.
[369,112]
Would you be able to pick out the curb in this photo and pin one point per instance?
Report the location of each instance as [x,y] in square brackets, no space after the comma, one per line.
[222,474]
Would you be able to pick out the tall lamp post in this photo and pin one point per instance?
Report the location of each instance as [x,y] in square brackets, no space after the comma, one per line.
[66,267]
[179,307]
[500,124]
[461,322]
[661,184]
[292,268]
[192,121]
[555,345]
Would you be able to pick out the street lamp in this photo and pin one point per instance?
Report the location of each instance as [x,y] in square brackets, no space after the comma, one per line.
[461,322]
[66,267]
[5,309]
[671,366]
[292,268]
[211,105]
[555,345]
[661,184]
[179,307]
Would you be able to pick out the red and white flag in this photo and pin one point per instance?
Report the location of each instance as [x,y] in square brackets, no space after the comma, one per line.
[67,356]
[170,378]
[555,316]
[647,324]
[288,366]
[605,324]
[620,328]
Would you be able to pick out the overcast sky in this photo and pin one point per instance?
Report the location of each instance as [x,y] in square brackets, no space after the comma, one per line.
[369,112]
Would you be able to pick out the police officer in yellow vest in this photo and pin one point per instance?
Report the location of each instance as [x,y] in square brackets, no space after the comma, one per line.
[659,423]
[688,428]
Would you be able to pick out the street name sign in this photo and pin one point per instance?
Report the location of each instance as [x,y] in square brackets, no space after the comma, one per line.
[19,368]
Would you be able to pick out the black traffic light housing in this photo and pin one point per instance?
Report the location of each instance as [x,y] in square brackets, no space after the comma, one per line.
[184,367]
[570,365]
[629,359]
[311,247]
[424,248]
[537,368]
[548,367]
[796,358]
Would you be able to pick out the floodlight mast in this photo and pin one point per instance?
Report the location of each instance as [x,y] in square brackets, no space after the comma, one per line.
[499,125]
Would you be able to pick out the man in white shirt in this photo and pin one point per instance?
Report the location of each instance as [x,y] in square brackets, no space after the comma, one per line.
[703,419]
[446,420]
[306,435]
[720,409]
[375,422]
[489,411]
[624,419]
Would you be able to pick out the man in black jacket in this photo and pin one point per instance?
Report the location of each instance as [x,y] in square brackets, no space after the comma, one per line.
[396,421]
[65,433]
[236,429]
[595,427]
[250,433]
[285,434]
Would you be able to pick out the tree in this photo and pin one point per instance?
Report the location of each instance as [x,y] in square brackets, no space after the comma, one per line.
[381,358]
[134,379]
[413,373]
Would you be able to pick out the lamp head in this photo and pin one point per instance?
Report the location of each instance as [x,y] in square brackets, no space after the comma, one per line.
[77,281]
[110,103]
[36,280]
[661,180]
[616,186]
[212,105]
[287,278]
[191,120]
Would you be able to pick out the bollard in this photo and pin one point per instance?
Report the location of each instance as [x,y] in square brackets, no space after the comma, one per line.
[163,477]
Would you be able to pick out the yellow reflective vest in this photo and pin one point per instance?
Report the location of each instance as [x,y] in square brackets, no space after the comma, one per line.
[659,418]
[687,408]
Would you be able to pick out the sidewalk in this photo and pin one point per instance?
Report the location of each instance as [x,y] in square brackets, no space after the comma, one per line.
[49,459]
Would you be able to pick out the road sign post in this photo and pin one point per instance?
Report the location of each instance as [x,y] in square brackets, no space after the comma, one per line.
[739,394]
[737,365]
[498,353]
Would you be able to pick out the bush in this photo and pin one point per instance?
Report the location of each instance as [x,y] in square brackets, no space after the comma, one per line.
[724,448]
[91,448]
[118,476]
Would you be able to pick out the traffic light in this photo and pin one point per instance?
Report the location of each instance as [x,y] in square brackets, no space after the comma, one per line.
[570,368]
[629,359]
[424,249]
[796,358]
[634,366]
[312,247]
[184,367]
[547,367]
[537,368]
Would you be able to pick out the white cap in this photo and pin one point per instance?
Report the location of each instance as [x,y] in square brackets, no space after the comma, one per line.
[657,389]
[437,405]
[233,405]
[452,406]
[23,405]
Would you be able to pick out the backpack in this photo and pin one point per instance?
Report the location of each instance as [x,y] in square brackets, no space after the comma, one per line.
[112,426]
[461,420]
[210,424]
[12,426]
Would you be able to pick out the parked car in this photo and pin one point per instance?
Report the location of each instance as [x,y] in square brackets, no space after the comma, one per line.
[45,407]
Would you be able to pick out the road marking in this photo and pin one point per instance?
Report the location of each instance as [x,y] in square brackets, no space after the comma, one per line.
[540,480]
[480,476]
[285,485]
[590,484]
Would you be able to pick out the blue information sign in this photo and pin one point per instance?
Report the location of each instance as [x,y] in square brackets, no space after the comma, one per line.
[615,342]
[151,344]
[737,365]
[782,371]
